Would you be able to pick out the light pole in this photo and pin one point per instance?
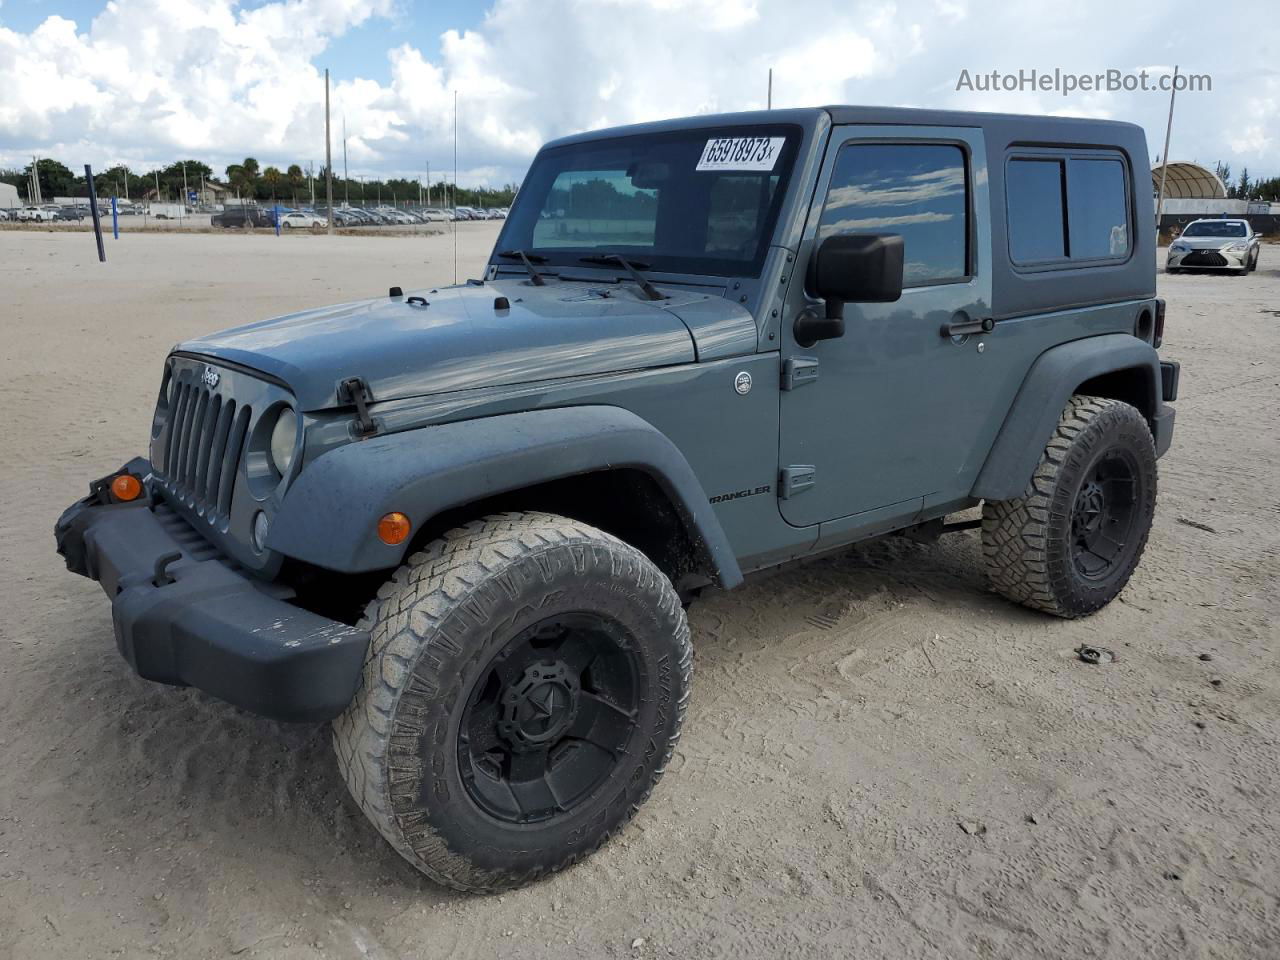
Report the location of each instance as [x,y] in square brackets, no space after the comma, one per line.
[1164,167]
[328,160]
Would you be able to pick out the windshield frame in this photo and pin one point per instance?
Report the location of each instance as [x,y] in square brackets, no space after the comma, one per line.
[518,228]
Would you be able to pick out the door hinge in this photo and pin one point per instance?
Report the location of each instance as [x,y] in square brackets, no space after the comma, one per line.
[796,479]
[797,371]
[355,391]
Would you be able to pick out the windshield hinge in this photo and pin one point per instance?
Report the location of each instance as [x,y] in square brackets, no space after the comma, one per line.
[354,391]
[797,371]
[796,479]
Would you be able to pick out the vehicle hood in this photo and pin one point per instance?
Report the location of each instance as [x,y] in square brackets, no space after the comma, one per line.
[461,340]
[1208,243]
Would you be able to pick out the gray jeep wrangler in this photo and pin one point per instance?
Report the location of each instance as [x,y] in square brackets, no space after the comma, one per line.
[463,523]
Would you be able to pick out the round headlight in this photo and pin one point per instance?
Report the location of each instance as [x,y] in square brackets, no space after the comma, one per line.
[284,440]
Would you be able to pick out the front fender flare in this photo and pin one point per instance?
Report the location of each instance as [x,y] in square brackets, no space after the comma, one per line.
[1039,403]
[329,516]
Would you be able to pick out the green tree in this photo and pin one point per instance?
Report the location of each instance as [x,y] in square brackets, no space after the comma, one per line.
[239,180]
[296,179]
[55,179]
[273,178]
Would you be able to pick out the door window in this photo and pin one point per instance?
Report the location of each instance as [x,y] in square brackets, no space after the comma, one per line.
[916,190]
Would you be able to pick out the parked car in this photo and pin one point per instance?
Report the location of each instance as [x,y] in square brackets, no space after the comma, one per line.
[434,215]
[36,214]
[300,220]
[1215,245]
[463,524]
[74,214]
[4,215]
[242,217]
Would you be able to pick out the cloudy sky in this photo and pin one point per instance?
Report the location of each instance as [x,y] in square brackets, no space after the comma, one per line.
[146,82]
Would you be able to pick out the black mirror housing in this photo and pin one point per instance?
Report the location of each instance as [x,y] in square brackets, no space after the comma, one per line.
[858,268]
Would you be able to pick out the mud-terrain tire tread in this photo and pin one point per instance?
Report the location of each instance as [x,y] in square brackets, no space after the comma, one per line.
[1016,533]
[403,621]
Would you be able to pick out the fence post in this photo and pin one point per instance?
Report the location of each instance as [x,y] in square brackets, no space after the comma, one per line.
[115,220]
[93,206]
[275,215]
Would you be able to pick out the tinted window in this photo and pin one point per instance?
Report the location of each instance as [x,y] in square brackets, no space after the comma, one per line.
[1099,218]
[915,190]
[1037,221]
[693,201]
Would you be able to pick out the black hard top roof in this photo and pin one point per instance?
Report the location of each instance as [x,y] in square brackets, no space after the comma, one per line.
[1013,126]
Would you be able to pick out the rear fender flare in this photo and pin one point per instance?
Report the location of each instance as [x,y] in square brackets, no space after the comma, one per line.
[1052,380]
[329,515]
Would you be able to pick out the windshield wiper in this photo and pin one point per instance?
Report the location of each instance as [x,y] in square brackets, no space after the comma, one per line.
[528,259]
[633,268]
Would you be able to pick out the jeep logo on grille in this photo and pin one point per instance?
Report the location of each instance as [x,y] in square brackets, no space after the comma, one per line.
[210,377]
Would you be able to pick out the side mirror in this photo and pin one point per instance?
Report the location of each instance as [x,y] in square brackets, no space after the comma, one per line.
[850,268]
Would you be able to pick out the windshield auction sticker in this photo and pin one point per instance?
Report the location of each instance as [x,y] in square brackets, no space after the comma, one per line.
[741,153]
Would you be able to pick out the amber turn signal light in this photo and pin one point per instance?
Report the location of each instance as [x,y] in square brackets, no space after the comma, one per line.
[393,528]
[126,487]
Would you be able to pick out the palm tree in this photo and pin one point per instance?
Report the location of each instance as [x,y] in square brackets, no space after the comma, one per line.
[273,176]
[294,173]
[251,170]
[236,177]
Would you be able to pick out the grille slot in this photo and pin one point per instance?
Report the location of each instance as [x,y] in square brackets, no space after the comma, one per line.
[1204,258]
[206,434]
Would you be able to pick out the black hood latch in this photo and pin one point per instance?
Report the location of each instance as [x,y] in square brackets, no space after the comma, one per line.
[355,392]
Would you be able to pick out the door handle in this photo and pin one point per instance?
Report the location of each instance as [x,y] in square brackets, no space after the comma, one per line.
[966,327]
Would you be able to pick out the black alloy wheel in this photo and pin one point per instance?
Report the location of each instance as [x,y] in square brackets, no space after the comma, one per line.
[1102,517]
[549,718]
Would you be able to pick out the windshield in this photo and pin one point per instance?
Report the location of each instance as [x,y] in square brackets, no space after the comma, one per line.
[1215,228]
[690,201]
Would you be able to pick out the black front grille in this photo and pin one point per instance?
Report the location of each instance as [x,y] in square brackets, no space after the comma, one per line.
[1204,258]
[204,437]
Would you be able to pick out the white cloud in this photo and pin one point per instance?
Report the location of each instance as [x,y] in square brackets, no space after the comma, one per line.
[148,81]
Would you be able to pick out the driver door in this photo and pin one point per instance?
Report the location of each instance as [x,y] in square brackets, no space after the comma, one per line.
[876,421]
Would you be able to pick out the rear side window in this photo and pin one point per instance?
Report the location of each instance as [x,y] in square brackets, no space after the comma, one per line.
[1037,214]
[1099,222]
[918,190]
[1067,208]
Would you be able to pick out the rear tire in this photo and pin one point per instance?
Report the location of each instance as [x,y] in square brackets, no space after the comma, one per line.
[1071,542]
[524,689]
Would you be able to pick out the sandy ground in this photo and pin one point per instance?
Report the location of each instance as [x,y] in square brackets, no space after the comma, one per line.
[882,759]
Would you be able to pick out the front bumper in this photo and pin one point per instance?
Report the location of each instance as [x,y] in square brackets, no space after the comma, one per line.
[1207,259]
[193,620]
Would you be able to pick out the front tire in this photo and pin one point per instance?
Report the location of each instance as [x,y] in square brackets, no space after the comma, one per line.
[525,686]
[1070,544]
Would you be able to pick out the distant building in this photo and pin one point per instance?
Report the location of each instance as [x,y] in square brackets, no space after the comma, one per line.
[1184,180]
[1192,192]
[8,196]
